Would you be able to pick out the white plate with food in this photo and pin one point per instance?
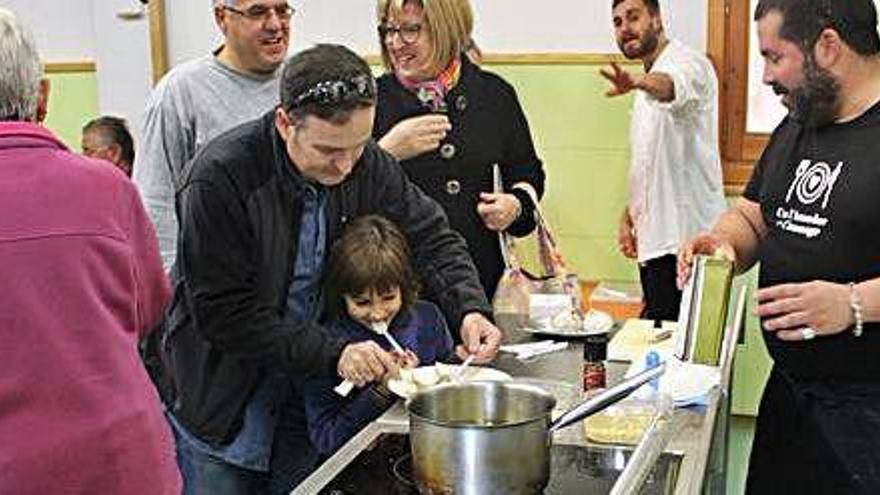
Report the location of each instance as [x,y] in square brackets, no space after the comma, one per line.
[416,379]
[568,325]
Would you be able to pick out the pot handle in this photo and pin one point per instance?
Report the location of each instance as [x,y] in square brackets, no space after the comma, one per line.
[606,398]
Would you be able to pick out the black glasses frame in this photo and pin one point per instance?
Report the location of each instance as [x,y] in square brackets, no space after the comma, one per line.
[262,13]
[409,33]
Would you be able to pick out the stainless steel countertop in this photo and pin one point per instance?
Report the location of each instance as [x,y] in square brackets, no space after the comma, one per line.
[693,429]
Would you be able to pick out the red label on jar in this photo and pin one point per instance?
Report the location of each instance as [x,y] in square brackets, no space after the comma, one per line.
[594,376]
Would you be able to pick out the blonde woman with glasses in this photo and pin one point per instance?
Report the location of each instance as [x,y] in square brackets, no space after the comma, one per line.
[448,121]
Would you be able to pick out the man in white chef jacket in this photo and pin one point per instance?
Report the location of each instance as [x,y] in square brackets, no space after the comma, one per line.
[675,181]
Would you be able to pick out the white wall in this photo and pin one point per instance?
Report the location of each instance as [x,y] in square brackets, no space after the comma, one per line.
[122,55]
[190,29]
[502,26]
[63,29]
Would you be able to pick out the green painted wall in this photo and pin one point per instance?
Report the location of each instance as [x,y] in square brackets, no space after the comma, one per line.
[73,101]
[583,138]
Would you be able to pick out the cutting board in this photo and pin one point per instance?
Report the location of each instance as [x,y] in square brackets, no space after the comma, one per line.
[636,338]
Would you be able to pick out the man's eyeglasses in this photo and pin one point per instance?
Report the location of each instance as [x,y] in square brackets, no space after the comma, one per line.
[338,91]
[409,33]
[263,13]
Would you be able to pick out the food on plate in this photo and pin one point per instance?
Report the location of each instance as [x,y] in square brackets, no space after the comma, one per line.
[428,376]
[419,379]
[572,323]
[569,319]
[414,380]
[445,371]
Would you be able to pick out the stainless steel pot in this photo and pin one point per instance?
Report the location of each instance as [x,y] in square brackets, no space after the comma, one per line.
[493,437]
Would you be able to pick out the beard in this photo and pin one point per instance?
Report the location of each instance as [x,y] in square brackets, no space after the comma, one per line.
[816,101]
[647,44]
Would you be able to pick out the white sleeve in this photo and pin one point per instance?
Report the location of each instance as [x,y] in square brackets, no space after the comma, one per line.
[692,79]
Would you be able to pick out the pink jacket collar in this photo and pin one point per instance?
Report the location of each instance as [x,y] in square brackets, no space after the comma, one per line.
[15,134]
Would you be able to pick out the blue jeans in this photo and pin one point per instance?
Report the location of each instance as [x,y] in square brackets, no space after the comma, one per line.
[204,474]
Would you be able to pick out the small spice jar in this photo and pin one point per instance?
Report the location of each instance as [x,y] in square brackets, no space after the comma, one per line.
[595,353]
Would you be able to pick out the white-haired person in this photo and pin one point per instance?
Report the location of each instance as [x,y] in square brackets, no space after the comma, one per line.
[82,283]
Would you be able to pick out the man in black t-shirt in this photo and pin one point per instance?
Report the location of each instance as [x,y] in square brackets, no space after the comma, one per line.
[811,216]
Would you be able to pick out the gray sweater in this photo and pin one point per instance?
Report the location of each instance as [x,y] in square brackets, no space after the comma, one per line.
[191,105]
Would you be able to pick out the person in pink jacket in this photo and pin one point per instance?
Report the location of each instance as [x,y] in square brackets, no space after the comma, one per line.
[80,282]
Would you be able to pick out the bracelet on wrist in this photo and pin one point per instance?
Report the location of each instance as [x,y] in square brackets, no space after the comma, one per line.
[855,305]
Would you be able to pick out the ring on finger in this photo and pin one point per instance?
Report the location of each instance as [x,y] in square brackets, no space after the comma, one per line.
[808,333]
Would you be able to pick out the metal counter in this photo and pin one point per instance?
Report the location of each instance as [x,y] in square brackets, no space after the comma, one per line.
[698,434]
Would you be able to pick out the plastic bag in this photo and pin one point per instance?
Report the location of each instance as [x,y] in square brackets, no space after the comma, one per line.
[516,285]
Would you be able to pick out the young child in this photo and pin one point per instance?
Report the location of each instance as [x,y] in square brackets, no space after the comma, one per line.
[369,280]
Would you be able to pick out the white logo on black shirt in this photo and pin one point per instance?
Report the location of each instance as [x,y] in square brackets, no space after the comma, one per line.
[812,182]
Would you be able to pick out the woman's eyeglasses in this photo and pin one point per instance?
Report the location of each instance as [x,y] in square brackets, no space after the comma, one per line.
[262,13]
[409,33]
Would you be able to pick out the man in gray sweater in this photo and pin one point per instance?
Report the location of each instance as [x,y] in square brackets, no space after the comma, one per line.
[202,98]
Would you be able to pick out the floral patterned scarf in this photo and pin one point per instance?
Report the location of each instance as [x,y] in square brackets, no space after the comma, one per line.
[432,93]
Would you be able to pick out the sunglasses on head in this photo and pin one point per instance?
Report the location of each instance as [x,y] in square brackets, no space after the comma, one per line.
[337,91]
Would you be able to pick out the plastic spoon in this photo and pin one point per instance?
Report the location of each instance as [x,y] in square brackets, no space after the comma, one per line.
[381,328]
[344,388]
[459,372]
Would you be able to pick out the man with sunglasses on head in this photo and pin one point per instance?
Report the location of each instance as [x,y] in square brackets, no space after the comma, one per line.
[199,99]
[259,208]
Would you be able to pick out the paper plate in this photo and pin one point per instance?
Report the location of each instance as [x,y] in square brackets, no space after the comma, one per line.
[428,376]
[685,383]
